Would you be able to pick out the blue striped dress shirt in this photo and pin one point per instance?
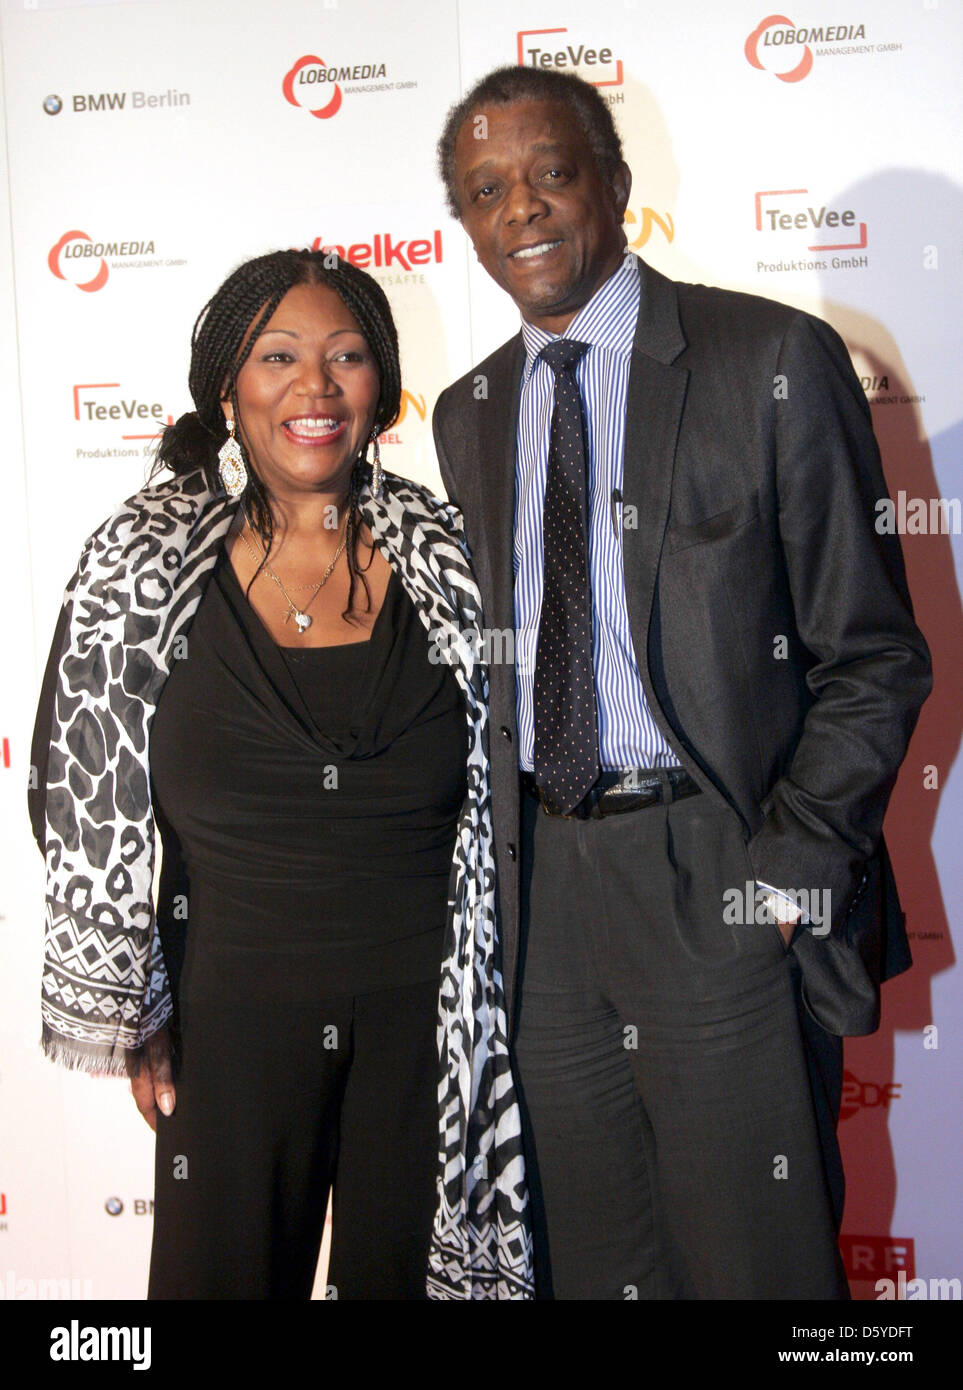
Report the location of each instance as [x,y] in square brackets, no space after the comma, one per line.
[628,735]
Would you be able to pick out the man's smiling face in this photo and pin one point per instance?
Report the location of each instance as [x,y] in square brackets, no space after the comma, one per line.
[544,221]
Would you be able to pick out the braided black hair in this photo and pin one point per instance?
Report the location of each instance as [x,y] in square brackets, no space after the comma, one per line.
[506,85]
[249,296]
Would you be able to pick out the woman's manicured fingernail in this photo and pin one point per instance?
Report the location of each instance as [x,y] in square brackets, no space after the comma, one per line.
[166,1102]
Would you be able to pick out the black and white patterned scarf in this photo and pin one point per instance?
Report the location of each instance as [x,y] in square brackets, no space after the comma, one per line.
[105,988]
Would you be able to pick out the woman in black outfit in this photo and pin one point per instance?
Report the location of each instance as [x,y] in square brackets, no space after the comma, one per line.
[306,757]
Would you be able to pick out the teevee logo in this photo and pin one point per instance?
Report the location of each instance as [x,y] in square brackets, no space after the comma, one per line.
[788,215]
[594,65]
[95,408]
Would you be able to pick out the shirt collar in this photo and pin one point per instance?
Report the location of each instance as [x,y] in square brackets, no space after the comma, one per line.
[608,320]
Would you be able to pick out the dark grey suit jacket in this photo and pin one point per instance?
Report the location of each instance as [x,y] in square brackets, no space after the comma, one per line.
[752,466]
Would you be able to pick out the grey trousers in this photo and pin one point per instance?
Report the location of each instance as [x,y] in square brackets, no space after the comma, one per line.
[678,1137]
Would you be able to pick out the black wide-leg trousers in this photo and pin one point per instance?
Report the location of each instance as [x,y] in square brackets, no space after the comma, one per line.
[674,1107]
[277,1104]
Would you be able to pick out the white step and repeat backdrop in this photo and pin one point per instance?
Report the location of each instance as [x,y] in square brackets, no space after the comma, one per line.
[152,145]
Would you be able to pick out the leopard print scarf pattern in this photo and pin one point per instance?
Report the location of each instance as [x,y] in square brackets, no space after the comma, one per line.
[105,987]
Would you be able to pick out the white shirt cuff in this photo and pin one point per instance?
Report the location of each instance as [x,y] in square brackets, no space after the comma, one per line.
[783,907]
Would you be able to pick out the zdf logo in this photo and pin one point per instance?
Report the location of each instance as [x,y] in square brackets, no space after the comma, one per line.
[75,252]
[303,84]
[866,1095]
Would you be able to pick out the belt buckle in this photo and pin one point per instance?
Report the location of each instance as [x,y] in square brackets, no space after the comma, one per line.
[641,785]
[640,793]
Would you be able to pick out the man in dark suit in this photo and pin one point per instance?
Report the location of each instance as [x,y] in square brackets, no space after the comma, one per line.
[669,494]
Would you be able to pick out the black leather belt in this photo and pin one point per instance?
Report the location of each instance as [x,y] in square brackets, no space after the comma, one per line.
[628,789]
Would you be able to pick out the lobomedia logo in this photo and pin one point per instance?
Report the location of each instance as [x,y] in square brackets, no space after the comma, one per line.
[83,262]
[316,85]
[778,47]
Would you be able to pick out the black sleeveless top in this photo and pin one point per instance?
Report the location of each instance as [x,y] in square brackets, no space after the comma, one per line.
[313,796]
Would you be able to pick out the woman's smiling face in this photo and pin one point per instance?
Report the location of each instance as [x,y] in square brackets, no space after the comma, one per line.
[307,395]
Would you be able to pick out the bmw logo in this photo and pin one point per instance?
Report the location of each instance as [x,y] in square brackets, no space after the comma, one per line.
[113,1206]
[52,105]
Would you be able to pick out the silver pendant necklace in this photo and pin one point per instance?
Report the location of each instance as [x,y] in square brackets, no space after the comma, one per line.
[300,613]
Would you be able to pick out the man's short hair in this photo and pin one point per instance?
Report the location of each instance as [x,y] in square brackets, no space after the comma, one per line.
[510,84]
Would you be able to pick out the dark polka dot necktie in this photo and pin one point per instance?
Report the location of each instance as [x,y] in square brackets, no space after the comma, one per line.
[566,723]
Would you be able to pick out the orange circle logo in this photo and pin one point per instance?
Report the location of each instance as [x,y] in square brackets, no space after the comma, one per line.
[99,279]
[309,61]
[802,68]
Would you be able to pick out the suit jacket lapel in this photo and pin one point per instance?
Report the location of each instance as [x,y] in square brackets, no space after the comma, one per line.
[656,393]
[495,475]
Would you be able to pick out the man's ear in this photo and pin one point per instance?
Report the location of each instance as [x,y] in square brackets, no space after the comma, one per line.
[621,188]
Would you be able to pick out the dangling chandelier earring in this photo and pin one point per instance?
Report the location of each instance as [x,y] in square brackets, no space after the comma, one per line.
[231,465]
[376,465]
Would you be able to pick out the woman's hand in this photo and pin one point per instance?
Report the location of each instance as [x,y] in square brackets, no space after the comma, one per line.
[151,1082]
